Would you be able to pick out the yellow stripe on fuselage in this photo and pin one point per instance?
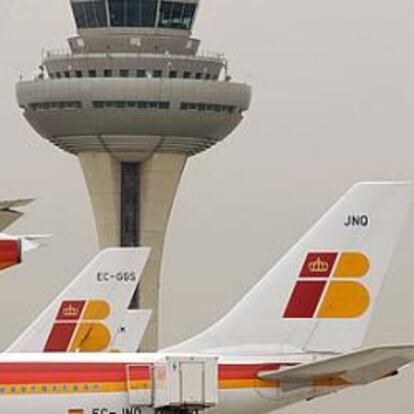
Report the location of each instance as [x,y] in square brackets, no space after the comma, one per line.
[247,383]
[144,385]
[79,388]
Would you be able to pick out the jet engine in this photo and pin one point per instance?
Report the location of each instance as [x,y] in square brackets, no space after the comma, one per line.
[10,253]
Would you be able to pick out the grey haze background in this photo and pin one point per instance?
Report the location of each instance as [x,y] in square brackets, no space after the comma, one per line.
[333,104]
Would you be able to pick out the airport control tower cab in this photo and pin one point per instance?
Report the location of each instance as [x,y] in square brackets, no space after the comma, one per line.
[133,98]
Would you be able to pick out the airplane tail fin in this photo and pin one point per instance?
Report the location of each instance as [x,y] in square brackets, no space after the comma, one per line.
[132,330]
[88,313]
[321,295]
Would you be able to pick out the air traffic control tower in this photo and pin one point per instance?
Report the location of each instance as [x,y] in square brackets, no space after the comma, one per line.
[133,98]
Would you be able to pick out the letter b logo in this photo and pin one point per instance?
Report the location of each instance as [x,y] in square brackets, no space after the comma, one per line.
[327,288]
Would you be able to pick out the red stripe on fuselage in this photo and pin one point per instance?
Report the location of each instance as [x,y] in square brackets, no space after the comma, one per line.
[244,371]
[47,373]
[69,373]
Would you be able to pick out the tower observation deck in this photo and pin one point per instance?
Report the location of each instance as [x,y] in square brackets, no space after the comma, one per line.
[133,98]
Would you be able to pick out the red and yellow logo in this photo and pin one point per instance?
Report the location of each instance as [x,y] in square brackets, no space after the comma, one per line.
[79,328]
[327,288]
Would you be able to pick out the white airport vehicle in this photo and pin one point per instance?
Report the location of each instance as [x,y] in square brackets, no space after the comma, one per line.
[295,336]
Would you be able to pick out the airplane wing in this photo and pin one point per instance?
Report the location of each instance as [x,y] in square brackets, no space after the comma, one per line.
[8,214]
[360,367]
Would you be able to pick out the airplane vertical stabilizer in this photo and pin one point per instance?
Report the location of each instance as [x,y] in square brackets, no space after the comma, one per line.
[321,295]
[89,312]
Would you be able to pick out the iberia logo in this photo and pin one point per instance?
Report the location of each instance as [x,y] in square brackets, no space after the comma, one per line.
[327,287]
[79,328]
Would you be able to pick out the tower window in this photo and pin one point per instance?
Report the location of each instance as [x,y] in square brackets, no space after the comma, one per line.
[187,75]
[108,73]
[141,73]
[130,104]
[172,74]
[90,13]
[58,75]
[67,74]
[133,13]
[124,73]
[51,106]
[164,105]
[78,73]
[199,75]
[157,73]
[176,15]
[92,73]
[202,107]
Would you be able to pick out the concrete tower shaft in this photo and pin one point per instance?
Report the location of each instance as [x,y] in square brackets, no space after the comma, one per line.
[133,98]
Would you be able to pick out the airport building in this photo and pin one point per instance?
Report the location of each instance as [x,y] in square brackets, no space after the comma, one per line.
[133,97]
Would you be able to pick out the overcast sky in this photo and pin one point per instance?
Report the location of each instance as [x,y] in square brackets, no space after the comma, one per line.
[333,104]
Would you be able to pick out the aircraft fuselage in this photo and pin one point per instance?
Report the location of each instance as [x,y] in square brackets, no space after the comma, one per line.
[103,385]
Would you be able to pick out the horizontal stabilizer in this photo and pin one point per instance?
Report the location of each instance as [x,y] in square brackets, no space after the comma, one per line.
[7,213]
[10,204]
[360,367]
[33,241]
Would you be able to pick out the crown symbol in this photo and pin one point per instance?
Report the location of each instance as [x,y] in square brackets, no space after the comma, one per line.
[318,266]
[70,311]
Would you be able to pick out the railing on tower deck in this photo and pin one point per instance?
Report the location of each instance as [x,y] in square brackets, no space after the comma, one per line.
[66,52]
[62,53]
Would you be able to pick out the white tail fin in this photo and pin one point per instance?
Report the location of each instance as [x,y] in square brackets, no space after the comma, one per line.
[86,316]
[321,294]
[132,330]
